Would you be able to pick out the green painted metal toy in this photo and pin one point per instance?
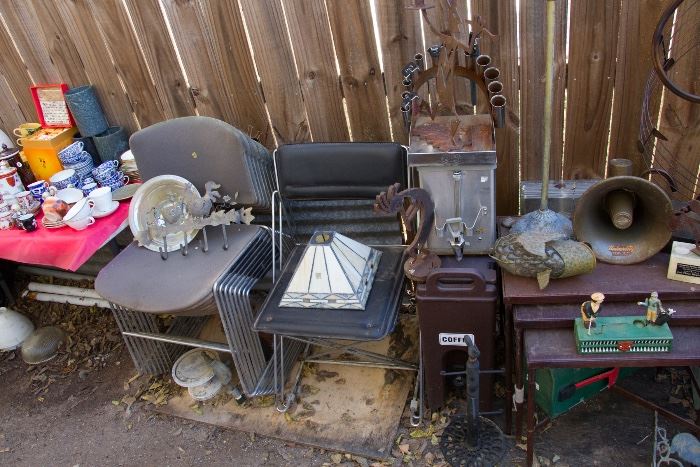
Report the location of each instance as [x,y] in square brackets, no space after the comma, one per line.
[622,334]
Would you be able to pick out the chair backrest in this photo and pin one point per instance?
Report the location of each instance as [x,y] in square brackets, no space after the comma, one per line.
[202,149]
[338,170]
[332,186]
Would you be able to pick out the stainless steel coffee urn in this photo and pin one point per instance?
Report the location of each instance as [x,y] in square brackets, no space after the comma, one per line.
[454,159]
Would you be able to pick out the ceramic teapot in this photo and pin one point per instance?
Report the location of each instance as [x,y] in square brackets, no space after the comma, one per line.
[10,183]
[54,207]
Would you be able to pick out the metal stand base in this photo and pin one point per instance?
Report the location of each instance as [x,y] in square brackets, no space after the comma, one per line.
[490,450]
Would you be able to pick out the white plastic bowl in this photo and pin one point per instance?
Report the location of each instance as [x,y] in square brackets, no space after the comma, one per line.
[14,329]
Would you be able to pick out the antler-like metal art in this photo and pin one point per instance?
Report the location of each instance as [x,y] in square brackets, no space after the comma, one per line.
[445,67]
[421,261]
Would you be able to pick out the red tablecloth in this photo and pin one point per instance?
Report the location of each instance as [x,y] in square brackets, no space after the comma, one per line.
[63,248]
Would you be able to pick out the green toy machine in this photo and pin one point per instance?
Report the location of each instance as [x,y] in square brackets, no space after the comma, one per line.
[622,334]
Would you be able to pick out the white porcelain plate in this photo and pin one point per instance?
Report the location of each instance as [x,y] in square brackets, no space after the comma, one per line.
[152,195]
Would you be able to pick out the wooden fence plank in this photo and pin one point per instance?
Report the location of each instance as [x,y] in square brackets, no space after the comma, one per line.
[211,99]
[21,20]
[532,61]
[275,64]
[125,50]
[680,119]
[159,54]
[360,73]
[228,46]
[82,28]
[18,79]
[10,113]
[60,46]
[315,59]
[590,78]
[501,19]
[637,22]
[400,40]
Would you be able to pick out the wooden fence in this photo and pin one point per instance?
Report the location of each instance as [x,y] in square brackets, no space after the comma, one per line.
[301,70]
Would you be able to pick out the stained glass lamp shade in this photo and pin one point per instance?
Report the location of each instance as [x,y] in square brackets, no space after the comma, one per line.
[335,272]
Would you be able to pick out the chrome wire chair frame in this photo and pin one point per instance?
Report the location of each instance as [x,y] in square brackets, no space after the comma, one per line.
[154,352]
[154,356]
[372,359]
[231,293]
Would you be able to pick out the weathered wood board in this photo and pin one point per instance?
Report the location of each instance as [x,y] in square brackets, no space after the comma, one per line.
[341,408]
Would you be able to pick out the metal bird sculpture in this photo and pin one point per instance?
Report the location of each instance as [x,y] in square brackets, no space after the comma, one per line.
[421,261]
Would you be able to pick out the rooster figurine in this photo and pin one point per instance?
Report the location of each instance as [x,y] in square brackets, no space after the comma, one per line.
[201,206]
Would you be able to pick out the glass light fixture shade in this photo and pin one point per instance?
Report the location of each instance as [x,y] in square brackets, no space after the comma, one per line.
[335,272]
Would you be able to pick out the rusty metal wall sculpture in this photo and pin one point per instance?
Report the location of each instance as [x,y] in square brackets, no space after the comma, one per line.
[421,261]
[445,68]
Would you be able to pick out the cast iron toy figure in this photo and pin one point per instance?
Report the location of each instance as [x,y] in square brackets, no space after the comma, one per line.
[590,309]
[656,313]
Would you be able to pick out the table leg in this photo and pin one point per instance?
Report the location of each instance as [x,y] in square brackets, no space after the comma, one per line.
[530,417]
[519,383]
[507,332]
[6,291]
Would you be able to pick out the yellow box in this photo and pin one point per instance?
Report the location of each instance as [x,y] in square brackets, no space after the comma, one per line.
[41,150]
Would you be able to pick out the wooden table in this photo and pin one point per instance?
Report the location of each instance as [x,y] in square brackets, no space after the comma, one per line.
[556,348]
[620,284]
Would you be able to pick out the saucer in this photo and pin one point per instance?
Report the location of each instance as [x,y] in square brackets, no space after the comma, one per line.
[98,214]
[52,225]
[125,192]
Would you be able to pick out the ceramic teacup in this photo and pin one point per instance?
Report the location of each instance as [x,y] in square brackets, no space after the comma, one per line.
[27,222]
[38,188]
[26,129]
[89,187]
[64,178]
[105,169]
[80,224]
[78,217]
[102,197]
[71,153]
[70,195]
[25,200]
[6,220]
[116,183]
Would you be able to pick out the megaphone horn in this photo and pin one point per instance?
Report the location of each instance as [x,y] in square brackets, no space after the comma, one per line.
[624,218]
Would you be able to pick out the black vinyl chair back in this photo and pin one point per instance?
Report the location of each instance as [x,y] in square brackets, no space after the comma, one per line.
[332,186]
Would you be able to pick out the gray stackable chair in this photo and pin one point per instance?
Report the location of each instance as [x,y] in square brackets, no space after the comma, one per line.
[140,285]
[332,186]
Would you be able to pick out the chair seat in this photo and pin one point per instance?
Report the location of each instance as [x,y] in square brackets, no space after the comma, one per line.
[375,322]
[139,279]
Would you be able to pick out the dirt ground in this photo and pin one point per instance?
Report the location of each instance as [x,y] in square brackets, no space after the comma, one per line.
[81,411]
